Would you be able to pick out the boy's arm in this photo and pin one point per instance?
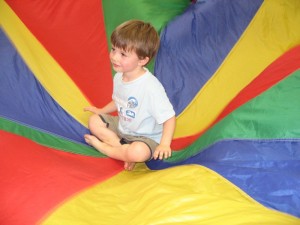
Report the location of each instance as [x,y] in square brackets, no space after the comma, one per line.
[163,150]
[109,108]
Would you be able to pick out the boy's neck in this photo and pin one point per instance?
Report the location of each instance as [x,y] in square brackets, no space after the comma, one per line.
[130,76]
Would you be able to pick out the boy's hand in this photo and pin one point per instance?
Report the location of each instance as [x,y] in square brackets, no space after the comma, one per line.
[92,109]
[162,152]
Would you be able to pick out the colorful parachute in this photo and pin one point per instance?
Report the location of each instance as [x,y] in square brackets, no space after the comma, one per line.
[231,70]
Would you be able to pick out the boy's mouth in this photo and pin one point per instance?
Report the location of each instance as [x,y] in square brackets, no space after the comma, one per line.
[114,64]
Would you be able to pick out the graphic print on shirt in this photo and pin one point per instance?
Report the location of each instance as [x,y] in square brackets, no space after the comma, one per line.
[131,104]
[129,114]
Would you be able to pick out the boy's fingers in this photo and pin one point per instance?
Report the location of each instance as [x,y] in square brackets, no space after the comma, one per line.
[155,155]
[162,155]
[167,155]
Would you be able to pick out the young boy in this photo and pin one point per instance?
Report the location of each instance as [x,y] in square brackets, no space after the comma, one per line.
[145,123]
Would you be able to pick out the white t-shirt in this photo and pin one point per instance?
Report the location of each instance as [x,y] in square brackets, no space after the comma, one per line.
[143,106]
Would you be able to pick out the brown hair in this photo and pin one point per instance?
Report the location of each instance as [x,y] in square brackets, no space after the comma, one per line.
[138,36]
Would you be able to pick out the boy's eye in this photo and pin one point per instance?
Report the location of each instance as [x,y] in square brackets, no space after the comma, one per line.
[123,53]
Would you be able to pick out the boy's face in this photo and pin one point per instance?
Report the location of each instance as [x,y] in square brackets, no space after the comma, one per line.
[125,61]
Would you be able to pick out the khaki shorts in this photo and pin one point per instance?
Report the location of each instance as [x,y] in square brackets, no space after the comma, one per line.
[112,124]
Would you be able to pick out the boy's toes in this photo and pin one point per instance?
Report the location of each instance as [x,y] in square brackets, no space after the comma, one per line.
[88,138]
[129,166]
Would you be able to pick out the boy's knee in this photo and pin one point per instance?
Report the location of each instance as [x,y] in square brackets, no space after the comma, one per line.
[94,122]
[138,152]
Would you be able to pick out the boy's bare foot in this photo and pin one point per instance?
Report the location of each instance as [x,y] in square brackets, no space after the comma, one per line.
[99,145]
[129,166]
[91,139]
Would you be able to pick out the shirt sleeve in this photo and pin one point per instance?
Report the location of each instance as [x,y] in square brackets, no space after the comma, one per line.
[161,108]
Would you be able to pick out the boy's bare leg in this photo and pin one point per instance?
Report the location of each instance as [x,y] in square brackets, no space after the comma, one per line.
[129,153]
[99,130]
[110,151]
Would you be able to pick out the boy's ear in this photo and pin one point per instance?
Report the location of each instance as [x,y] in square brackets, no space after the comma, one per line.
[144,61]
